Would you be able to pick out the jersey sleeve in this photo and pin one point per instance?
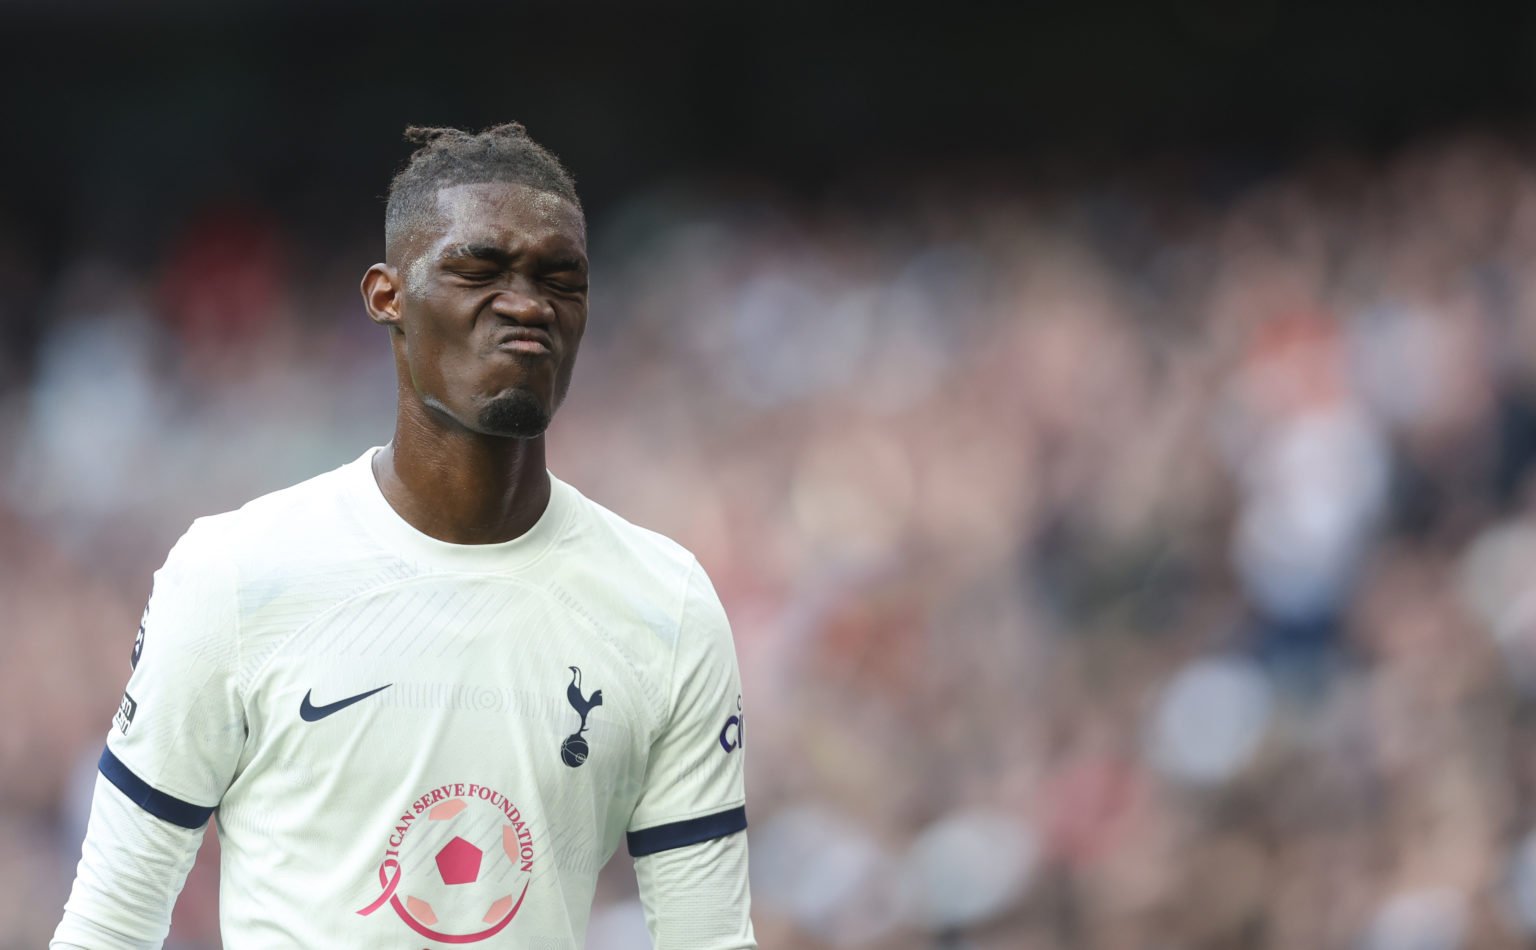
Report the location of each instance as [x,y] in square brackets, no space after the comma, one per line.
[170,754]
[694,788]
[180,729]
[132,866]
[697,898]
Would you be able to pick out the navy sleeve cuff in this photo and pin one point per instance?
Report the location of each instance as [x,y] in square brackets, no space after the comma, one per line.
[680,834]
[165,807]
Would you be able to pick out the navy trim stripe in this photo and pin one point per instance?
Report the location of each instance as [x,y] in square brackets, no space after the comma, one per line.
[680,834]
[165,807]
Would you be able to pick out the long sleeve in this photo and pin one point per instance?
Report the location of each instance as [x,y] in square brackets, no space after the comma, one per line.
[696,898]
[132,866]
[170,755]
[688,832]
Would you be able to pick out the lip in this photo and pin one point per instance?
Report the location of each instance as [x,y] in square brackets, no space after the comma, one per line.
[526,340]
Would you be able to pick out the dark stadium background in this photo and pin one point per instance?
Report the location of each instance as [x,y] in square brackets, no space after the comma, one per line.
[1109,426]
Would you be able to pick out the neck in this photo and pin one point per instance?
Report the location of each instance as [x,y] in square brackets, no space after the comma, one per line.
[460,486]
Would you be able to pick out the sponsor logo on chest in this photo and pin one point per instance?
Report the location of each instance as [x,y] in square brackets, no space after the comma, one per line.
[457,864]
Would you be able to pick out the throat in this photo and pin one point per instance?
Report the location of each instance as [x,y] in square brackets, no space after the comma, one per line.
[469,491]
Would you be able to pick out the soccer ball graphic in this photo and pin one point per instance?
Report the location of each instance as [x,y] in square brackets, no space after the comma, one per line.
[573,751]
[463,871]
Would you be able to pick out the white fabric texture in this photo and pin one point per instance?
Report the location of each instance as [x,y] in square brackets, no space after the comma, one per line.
[132,866]
[695,898]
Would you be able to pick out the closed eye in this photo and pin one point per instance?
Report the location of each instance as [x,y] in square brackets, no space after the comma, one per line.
[475,275]
[566,283]
[566,274]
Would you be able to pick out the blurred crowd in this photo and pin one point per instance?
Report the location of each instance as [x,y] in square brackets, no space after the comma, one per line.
[1141,563]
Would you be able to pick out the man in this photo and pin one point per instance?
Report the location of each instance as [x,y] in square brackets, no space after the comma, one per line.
[429,692]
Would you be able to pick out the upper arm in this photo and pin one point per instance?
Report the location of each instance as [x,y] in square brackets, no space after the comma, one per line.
[175,743]
[694,788]
[170,754]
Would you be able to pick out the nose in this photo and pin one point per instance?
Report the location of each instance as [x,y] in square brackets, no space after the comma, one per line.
[521,303]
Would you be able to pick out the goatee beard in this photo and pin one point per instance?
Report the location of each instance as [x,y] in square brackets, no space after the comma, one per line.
[514,415]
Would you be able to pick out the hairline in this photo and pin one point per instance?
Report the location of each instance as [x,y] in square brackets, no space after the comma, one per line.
[411,222]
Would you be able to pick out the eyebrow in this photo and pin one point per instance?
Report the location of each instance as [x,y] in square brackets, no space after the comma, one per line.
[502,256]
[483,252]
[566,263]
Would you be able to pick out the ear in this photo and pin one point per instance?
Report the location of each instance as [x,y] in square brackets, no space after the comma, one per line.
[381,295]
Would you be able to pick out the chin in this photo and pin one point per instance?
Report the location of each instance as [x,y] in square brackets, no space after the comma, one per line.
[516,414]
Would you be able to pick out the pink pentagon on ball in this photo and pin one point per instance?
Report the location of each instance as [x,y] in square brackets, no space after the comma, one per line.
[459,862]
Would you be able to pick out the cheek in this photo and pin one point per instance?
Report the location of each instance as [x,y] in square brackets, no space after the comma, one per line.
[576,328]
[427,352]
[576,325]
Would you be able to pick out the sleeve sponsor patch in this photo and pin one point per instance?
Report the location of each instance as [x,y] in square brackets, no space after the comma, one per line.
[124,717]
[734,734]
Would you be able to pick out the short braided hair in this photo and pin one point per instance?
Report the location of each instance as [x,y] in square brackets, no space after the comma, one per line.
[450,157]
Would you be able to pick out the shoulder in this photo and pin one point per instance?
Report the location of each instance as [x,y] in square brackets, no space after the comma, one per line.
[293,532]
[646,571]
[625,546]
[280,519]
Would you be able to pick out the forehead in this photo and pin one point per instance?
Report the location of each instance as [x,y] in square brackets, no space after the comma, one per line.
[506,214]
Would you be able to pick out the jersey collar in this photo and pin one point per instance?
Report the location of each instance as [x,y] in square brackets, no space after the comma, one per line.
[397,534]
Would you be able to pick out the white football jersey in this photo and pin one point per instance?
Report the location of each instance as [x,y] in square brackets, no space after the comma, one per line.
[412,743]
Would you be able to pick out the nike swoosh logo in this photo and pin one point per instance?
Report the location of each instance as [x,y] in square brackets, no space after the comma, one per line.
[312,713]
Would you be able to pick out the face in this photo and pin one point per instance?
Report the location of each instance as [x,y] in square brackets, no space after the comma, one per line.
[488,302]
